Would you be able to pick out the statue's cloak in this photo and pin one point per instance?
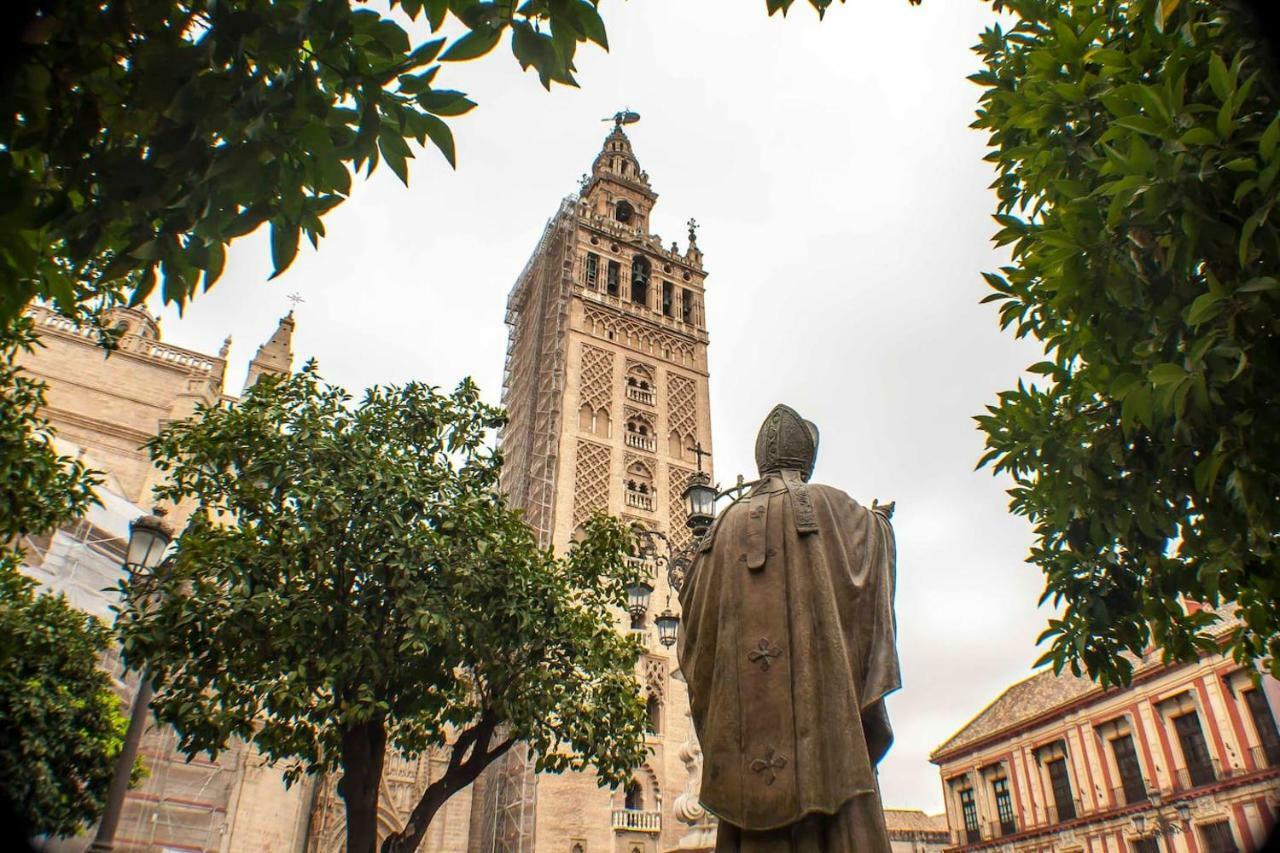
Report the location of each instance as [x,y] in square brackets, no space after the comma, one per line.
[788,645]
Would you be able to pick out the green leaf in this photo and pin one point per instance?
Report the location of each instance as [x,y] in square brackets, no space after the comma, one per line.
[284,245]
[1270,136]
[445,102]
[1205,307]
[1166,374]
[1220,78]
[1260,285]
[475,43]
[442,136]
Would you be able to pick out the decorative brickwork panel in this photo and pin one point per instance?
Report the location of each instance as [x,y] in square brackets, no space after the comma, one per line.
[590,481]
[677,479]
[596,381]
[637,334]
[682,408]
[655,676]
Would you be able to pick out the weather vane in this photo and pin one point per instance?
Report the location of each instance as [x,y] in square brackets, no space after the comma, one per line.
[295,299]
[693,230]
[624,116]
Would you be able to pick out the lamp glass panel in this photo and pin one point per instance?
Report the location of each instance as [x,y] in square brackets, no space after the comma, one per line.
[668,626]
[638,595]
[146,546]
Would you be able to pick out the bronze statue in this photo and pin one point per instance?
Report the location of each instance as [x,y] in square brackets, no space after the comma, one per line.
[788,646]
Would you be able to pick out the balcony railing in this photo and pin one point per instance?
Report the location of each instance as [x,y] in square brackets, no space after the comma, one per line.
[972,836]
[1267,755]
[1133,794]
[639,564]
[1195,775]
[1068,811]
[637,821]
[640,395]
[639,501]
[643,442]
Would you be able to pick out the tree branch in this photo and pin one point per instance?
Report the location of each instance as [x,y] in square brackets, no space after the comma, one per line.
[462,771]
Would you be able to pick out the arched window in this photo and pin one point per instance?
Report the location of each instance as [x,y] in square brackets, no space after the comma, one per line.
[634,797]
[639,483]
[623,211]
[653,712]
[640,281]
[596,422]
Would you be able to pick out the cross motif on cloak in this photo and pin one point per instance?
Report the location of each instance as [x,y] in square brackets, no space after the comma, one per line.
[762,652]
[769,764]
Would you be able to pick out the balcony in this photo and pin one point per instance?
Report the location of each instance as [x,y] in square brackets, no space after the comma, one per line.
[1267,755]
[1067,811]
[638,564]
[1132,794]
[640,395]
[1196,774]
[642,442]
[634,820]
[637,500]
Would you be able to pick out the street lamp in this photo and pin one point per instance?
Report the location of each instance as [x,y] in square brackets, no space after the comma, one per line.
[638,598]
[149,538]
[699,497]
[1161,824]
[668,626]
[700,502]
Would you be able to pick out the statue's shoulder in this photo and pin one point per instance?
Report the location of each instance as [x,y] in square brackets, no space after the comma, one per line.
[832,494]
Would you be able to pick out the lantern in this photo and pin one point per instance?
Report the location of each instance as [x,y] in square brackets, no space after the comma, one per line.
[149,536]
[638,598]
[700,502]
[668,625]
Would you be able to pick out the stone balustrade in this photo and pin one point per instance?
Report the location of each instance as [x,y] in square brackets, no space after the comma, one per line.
[637,821]
[642,442]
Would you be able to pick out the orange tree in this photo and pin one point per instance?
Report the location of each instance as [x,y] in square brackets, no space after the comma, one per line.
[352,582]
[1137,146]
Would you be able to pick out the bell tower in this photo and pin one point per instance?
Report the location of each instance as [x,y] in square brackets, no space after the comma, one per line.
[606,387]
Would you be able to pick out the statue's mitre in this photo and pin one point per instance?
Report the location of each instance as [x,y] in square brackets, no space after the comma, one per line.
[787,442]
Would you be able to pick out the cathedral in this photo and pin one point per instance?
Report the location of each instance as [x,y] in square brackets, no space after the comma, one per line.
[606,389]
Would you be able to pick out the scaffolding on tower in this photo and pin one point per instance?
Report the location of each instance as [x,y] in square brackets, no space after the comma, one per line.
[532,393]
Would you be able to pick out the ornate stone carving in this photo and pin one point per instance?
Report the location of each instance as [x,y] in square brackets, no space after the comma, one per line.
[677,479]
[596,380]
[682,412]
[636,334]
[590,480]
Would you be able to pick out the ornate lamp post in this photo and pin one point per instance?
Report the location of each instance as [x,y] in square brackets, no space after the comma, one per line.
[699,498]
[149,537]
[1161,825]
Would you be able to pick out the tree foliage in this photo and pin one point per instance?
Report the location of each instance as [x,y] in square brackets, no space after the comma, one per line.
[61,727]
[1137,145]
[39,489]
[354,582]
[139,138]
[60,723]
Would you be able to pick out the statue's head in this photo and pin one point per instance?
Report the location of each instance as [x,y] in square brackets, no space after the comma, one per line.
[786,442]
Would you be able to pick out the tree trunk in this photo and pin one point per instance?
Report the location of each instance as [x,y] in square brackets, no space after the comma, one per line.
[471,755]
[363,751]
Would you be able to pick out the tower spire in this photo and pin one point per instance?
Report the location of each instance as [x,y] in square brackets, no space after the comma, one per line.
[275,357]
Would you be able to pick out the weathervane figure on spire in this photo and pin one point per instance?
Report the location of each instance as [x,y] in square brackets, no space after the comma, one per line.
[624,116]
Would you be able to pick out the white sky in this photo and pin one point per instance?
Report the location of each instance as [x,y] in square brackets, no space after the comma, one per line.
[845,221]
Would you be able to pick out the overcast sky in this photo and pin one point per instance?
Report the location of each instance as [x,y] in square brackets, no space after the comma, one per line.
[845,220]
